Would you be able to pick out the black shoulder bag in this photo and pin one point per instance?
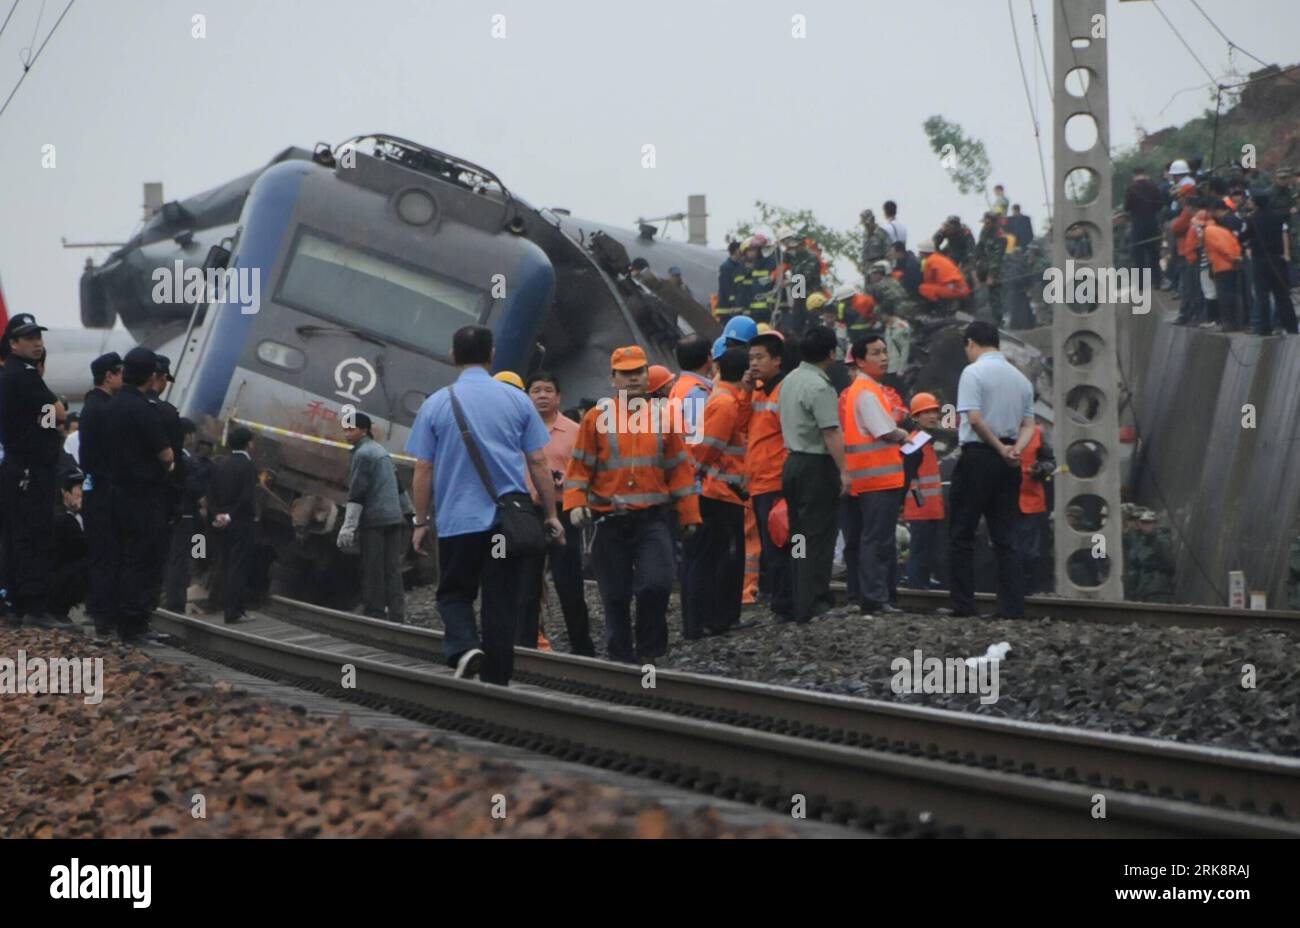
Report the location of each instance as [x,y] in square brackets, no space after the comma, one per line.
[516,515]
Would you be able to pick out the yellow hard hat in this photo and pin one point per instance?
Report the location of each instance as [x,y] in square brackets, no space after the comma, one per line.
[511,378]
[816,301]
[764,328]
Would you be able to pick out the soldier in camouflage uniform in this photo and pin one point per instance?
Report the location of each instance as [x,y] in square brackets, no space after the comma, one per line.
[888,291]
[805,270]
[1128,538]
[990,253]
[955,242]
[1153,562]
[875,240]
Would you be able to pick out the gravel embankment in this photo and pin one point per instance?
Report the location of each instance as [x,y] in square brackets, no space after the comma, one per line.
[132,766]
[1184,684]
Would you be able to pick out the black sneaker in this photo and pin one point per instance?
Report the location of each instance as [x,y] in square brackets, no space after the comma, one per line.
[467,667]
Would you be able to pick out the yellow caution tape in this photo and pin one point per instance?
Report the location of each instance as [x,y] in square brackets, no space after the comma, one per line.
[314,439]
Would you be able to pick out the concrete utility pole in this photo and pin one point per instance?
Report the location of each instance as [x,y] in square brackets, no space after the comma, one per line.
[1086,367]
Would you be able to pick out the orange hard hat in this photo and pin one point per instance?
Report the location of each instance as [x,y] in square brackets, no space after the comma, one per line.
[660,377]
[924,401]
[862,303]
[629,358]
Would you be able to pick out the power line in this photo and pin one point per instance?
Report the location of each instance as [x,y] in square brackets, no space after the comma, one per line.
[9,17]
[1232,44]
[1024,80]
[1213,80]
[28,65]
[1038,41]
[40,14]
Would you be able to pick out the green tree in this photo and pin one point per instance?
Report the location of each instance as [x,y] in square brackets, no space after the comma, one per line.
[839,246]
[964,158]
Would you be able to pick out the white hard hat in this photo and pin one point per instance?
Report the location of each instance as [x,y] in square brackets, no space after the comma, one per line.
[1179,166]
[843,292]
[881,266]
[785,232]
[925,247]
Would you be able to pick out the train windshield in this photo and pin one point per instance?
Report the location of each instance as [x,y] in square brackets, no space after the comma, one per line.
[396,302]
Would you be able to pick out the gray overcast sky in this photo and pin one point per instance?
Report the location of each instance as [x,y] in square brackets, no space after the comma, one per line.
[559,108]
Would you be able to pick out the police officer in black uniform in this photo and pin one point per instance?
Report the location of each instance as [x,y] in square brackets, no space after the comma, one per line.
[171,418]
[29,431]
[140,461]
[97,496]
[180,555]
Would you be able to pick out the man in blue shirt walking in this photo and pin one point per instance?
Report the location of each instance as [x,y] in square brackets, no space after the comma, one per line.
[507,429]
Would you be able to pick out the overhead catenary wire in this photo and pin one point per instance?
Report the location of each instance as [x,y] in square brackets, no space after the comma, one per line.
[27,66]
[9,17]
[1038,144]
[1234,45]
[1213,80]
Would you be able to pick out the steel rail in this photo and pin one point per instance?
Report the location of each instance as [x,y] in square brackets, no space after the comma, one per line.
[850,783]
[1219,777]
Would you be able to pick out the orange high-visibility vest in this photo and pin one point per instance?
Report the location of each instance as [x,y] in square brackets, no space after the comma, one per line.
[928,486]
[686,382]
[720,454]
[767,451]
[1033,493]
[942,279]
[613,470]
[872,464]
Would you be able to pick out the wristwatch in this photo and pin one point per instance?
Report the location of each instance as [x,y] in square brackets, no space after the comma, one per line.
[418,524]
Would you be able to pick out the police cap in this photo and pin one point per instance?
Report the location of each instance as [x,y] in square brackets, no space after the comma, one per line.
[139,358]
[163,365]
[104,364]
[22,325]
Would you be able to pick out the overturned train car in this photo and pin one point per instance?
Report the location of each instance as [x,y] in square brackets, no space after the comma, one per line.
[348,272]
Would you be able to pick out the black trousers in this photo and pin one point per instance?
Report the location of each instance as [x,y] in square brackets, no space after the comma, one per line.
[1228,300]
[27,495]
[97,517]
[983,484]
[139,520]
[383,594]
[811,485]
[68,583]
[774,562]
[237,541]
[566,573]
[715,568]
[466,565]
[877,548]
[180,557]
[1144,252]
[1271,278]
[632,555]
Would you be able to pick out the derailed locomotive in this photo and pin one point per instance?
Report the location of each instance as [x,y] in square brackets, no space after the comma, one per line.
[366,259]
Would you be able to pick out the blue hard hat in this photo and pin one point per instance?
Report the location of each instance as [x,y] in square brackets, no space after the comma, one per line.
[741,328]
[719,347]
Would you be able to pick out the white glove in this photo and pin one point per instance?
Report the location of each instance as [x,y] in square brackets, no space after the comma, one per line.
[580,516]
[347,540]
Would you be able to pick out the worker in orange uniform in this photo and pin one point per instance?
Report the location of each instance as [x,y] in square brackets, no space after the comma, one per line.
[875,465]
[941,279]
[1223,254]
[923,503]
[764,461]
[1037,464]
[624,477]
[659,382]
[713,561]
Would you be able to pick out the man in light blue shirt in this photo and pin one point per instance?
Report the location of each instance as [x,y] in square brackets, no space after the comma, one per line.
[996,405]
[507,430]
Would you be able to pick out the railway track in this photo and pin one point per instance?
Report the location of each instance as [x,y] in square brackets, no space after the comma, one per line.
[890,768]
[1112,613]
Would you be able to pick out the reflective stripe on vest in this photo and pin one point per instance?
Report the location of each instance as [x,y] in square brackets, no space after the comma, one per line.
[928,485]
[873,464]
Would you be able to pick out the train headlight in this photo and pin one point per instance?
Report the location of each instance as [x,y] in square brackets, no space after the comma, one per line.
[277,355]
[416,207]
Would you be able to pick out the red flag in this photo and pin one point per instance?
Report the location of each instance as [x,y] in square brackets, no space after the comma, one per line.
[4,312]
